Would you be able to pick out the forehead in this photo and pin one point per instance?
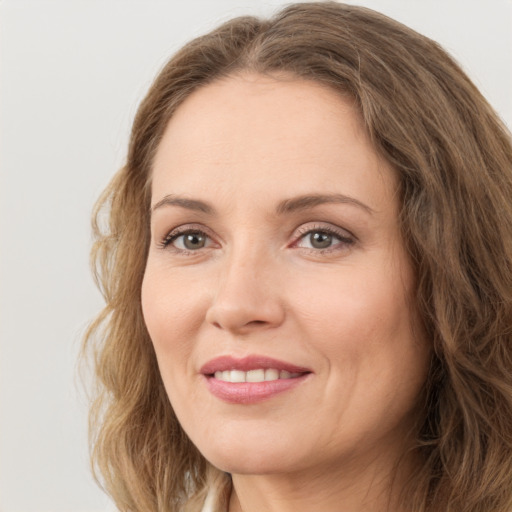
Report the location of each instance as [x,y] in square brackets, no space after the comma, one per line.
[255,133]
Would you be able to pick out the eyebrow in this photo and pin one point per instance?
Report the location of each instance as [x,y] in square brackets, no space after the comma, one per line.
[293,204]
[310,201]
[183,202]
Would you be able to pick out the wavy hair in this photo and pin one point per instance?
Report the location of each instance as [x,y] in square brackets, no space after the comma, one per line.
[453,159]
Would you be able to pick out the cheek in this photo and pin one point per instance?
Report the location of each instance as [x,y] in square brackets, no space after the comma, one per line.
[360,322]
[352,305]
[170,310]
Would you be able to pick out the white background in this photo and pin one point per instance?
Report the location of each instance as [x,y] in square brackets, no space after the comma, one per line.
[72,74]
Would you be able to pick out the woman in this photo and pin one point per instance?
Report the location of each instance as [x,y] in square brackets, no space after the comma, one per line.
[308,277]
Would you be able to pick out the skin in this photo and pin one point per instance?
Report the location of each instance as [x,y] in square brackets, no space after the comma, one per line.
[260,285]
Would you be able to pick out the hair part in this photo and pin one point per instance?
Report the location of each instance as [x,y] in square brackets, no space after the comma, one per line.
[453,159]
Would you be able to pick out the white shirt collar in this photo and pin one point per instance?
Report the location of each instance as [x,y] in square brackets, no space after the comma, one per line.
[216,500]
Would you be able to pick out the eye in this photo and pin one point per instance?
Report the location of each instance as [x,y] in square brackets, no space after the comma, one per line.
[188,240]
[319,239]
[324,238]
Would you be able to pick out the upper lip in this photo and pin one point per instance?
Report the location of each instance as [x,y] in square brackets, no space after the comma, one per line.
[252,362]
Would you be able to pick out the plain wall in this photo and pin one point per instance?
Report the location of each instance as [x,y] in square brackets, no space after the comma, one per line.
[72,74]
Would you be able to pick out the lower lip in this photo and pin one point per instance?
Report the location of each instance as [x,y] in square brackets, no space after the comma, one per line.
[251,392]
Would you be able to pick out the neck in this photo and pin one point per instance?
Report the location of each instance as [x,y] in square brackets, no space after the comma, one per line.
[365,489]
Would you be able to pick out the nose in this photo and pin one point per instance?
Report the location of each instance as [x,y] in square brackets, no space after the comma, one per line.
[247,297]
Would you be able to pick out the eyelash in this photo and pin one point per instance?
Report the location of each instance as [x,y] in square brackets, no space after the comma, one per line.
[344,237]
[341,235]
[176,233]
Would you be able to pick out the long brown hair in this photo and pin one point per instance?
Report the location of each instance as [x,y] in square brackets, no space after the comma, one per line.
[453,157]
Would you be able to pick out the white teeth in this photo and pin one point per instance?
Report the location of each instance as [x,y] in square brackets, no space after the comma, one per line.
[259,375]
[255,376]
[237,376]
[271,374]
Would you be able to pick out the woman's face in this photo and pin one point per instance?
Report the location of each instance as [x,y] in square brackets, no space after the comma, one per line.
[276,259]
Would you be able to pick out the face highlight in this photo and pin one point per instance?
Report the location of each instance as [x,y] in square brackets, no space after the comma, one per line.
[277,290]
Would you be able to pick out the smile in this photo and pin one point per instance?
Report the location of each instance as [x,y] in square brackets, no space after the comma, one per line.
[260,375]
[252,379]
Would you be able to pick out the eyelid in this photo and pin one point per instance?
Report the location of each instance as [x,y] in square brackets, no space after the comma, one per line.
[345,237]
[171,235]
[323,226]
[299,233]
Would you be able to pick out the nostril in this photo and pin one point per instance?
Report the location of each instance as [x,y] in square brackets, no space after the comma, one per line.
[243,314]
[253,323]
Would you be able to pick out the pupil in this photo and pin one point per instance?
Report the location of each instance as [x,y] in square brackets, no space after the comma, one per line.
[194,241]
[320,240]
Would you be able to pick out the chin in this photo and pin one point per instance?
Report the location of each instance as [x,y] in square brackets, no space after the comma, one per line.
[244,463]
[251,455]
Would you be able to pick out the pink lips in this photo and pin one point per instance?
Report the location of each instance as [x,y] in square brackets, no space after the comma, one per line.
[250,392]
[220,364]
